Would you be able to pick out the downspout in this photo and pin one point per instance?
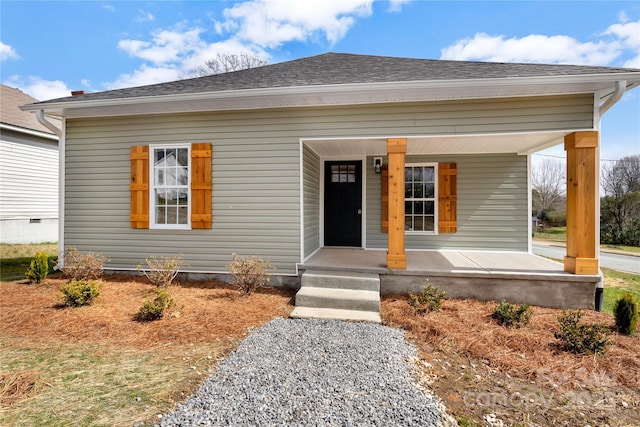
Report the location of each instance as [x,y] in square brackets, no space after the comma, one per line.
[61,179]
[620,88]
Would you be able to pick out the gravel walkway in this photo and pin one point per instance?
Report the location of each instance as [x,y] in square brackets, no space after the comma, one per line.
[312,373]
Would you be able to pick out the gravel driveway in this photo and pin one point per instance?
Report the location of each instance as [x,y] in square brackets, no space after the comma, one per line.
[313,373]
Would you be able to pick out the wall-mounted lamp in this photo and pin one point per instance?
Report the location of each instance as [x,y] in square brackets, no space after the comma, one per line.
[377,164]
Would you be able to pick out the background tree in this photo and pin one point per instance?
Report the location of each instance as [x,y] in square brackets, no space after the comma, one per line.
[620,206]
[548,182]
[227,62]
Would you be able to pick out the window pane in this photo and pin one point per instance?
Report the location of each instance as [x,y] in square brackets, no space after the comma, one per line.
[183,176]
[351,168]
[351,177]
[429,190]
[407,223]
[429,208]
[161,215]
[171,157]
[408,174]
[418,223]
[417,174]
[160,197]
[172,197]
[429,223]
[418,207]
[172,215]
[408,208]
[158,156]
[428,174]
[418,190]
[335,169]
[343,168]
[335,177]
[183,198]
[407,191]
[183,156]
[343,177]
[182,215]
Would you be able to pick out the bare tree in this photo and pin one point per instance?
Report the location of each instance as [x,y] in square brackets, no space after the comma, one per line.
[548,181]
[227,62]
[620,207]
[621,177]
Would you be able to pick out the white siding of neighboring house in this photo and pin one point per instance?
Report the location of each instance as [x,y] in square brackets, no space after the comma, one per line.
[28,189]
[256,201]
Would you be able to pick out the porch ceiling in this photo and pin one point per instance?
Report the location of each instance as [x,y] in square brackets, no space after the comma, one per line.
[521,143]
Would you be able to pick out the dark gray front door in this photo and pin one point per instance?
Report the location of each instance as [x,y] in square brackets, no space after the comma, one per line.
[343,203]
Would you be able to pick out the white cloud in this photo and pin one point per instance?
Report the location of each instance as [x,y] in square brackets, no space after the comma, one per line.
[39,88]
[7,52]
[166,45]
[144,16]
[620,43]
[108,7]
[396,5]
[269,23]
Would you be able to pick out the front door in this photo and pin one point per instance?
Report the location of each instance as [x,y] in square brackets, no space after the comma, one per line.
[343,203]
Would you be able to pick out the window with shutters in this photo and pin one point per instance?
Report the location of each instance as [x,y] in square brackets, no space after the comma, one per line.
[170,205]
[420,197]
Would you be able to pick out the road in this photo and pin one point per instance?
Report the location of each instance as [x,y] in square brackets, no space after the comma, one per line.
[628,263]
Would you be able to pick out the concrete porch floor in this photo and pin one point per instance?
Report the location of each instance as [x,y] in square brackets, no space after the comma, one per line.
[517,277]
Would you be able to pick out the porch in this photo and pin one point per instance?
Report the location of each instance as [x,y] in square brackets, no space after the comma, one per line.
[517,277]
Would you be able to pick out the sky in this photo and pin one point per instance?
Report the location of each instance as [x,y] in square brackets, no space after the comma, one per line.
[48,48]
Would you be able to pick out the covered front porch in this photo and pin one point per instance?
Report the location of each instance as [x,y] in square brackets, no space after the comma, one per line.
[517,277]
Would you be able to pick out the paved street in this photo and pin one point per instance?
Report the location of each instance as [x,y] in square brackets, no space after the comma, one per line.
[627,263]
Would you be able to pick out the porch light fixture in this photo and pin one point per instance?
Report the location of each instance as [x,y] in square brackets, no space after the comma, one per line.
[377,164]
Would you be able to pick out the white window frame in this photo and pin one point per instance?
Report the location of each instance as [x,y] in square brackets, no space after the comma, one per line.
[152,188]
[435,199]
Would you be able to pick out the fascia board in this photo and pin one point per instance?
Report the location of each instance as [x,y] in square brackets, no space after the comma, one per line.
[343,94]
[29,131]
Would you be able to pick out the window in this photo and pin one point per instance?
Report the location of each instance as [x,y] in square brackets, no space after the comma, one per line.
[420,195]
[169,195]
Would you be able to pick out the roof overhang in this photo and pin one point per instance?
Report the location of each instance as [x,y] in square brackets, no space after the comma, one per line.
[32,132]
[343,94]
[504,143]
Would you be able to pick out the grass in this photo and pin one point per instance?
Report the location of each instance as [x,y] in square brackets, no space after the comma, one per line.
[15,259]
[552,234]
[98,385]
[617,283]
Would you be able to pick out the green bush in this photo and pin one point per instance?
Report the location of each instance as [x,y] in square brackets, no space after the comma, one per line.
[511,315]
[39,268]
[626,314]
[153,309]
[581,339]
[80,292]
[249,273]
[429,299]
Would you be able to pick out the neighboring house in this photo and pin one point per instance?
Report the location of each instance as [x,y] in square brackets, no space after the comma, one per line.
[28,174]
[336,150]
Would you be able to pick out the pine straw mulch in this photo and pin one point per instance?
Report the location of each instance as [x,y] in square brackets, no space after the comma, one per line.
[468,352]
[204,311]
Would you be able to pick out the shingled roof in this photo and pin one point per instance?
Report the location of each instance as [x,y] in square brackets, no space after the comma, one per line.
[10,114]
[343,68]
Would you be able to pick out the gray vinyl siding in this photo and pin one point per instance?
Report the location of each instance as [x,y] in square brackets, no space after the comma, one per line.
[311,194]
[256,176]
[492,205]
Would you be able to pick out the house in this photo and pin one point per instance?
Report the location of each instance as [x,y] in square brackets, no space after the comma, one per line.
[394,167]
[28,175]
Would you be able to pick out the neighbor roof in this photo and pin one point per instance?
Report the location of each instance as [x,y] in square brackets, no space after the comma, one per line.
[343,69]
[10,113]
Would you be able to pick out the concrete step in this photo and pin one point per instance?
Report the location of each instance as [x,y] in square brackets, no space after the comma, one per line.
[344,299]
[331,313]
[341,280]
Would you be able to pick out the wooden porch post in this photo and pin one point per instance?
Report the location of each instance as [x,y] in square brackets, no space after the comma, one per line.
[396,150]
[582,194]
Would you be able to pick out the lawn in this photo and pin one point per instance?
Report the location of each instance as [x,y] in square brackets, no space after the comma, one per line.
[616,284]
[15,259]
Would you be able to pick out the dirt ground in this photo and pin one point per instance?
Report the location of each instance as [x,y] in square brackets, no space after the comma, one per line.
[485,374]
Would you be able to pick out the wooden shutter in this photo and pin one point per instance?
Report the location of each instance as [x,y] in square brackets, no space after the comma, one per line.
[139,187]
[385,198]
[201,185]
[447,198]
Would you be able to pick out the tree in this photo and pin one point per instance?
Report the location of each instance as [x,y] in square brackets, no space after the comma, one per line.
[620,207]
[227,62]
[548,183]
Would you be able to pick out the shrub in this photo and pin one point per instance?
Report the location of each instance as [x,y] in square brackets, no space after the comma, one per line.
[626,314]
[162,271]
[429,299]
[39,268]
[581,339]
[80,292]
[249,273]
[82,266]
[153,309]
[512,315]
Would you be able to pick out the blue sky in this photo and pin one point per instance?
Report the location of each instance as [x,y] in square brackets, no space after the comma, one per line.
[49,48]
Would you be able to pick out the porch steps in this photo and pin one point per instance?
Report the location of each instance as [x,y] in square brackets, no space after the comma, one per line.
[338,295]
